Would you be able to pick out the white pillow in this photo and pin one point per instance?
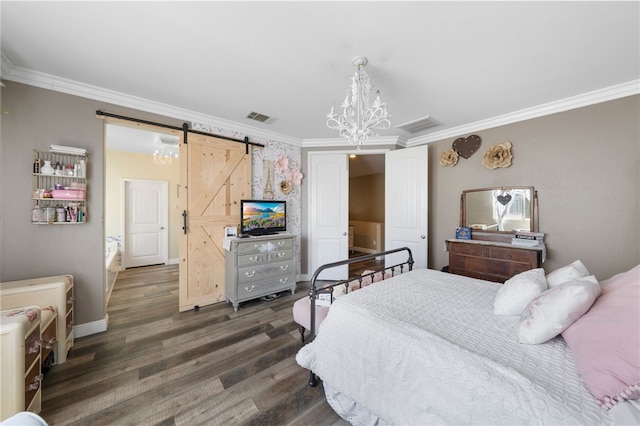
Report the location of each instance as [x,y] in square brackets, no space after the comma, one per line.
[556,309]
[574,271]
[516,293]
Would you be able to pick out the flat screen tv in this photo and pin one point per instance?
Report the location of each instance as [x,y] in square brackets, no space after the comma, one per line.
[263,217]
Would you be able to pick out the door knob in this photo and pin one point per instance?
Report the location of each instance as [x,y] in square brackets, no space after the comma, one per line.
[344,234]
[162,227]
[422,237]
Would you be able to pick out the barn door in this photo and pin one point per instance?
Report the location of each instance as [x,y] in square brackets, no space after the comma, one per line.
[215,175]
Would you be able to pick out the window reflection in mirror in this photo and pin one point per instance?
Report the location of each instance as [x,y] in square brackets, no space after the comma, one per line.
[498,209]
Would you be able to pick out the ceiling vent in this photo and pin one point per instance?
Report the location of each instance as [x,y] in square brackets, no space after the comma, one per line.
[260,117]
[419,124]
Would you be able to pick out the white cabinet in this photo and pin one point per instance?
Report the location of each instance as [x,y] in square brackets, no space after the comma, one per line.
[258,266]
[59,188]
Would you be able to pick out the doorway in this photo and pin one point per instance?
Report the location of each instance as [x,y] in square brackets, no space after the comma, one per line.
[145,234]
[129,155]
[405,204]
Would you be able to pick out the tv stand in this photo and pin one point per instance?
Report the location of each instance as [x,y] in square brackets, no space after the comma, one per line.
[256,267]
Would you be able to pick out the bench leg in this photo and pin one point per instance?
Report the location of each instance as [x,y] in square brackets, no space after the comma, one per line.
[301,329]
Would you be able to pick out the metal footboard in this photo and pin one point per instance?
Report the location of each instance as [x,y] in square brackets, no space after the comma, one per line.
[318,287]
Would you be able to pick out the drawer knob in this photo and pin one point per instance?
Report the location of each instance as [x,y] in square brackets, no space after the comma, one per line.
[284,267]
[36,347]
[253,258]
[280,243]
[282,254]
[50,343]
[249,290]
[250,274]
[284,280]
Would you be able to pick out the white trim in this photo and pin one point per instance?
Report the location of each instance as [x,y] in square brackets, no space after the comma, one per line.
[590,98]
[342,143]
[164,207]
[89,328]
[47,81]
[63,85]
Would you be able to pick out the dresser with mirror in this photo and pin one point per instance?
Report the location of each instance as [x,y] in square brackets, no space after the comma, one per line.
[504,236]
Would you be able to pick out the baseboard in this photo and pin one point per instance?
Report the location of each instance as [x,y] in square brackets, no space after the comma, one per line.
[173,261]
[364,250]
[89,328]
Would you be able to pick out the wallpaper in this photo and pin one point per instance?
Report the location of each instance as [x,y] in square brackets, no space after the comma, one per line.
[276,174]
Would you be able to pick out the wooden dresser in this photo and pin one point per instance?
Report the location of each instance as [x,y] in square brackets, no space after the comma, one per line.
[491,261]
[258,266]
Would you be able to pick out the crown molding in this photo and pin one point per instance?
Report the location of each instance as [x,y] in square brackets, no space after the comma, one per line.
[47,81]
[58,84]
[342,143]
[629,88]
[5,65]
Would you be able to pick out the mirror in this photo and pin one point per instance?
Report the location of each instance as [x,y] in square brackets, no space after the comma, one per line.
[504,209]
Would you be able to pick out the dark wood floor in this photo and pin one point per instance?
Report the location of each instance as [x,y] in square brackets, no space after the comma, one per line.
[155,366]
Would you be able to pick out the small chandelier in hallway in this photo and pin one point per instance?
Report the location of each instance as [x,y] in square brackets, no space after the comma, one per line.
[359,120]
[166,152]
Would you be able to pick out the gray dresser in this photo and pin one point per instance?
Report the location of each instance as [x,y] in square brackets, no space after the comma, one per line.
[258,266]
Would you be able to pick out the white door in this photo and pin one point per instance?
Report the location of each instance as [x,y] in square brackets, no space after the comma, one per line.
[329,213]
[145,219]
[406,178]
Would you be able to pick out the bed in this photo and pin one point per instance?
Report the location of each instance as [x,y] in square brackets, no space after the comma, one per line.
[425,347]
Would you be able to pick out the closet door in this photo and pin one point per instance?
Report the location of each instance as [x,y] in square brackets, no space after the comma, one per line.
[329,212]
[406,213]
[215,175]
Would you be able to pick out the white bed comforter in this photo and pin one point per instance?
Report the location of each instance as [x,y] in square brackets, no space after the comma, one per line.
[425,348]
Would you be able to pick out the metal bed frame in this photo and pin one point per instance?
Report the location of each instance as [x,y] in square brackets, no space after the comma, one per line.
[318,287]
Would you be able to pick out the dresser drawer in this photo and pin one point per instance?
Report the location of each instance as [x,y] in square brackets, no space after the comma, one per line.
[513,254]
[31,348]
[469,249]
[69,323]
[262,272]
[258,246]
[32,382]
[258,258]
[267,286]
[49,337]
[69,299]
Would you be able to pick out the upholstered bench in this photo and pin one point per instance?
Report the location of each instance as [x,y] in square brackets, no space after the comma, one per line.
[302,307]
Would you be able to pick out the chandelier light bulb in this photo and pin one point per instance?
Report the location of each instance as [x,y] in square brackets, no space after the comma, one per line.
[359,120]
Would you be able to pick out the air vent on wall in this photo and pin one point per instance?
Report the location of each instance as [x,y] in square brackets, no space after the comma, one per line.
[260,117]
[419,124]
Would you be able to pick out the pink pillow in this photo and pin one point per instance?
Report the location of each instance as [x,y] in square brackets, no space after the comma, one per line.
[605,341]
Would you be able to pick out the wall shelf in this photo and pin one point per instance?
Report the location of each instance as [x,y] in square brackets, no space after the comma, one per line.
[67,204]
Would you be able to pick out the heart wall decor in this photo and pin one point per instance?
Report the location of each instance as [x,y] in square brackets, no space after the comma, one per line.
[466,147]
[504,198]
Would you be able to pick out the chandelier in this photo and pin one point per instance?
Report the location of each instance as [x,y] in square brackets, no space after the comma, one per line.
[359,120]
[166,152]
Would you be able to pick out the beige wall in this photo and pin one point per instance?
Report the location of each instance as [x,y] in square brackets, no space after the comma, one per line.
[584,163]
[121,165]
[35,119]
[366,198]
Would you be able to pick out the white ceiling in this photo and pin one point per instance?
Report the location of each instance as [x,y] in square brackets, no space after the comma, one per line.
[463,63]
